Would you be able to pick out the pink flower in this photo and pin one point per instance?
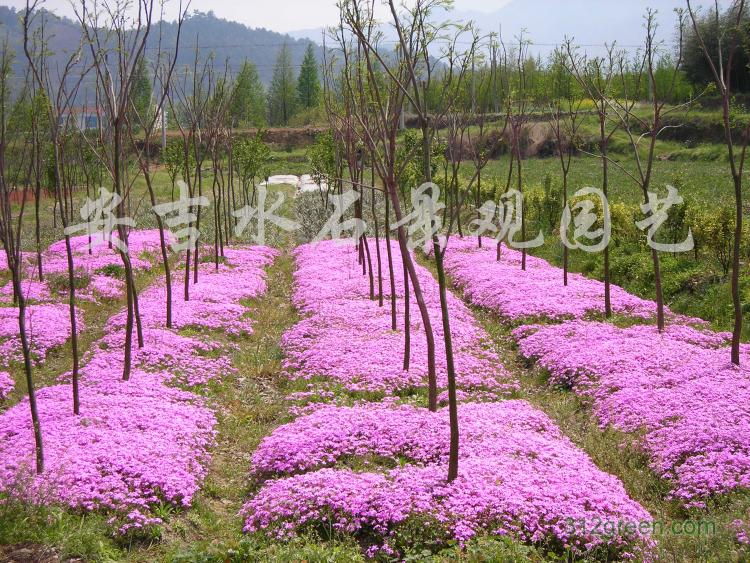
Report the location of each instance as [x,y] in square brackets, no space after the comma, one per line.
[6,384]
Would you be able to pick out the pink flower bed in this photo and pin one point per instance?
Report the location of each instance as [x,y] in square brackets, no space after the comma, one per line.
[518,476]
[347,338]
[48,317]
[106,287]
[139,241]
[135,444]
[47,326]
[6,384]
[140,442]
[188,360]
[213,305]
[101,256]
[677,390]
[98,265]
[31,289]
[214,301]
[537,292]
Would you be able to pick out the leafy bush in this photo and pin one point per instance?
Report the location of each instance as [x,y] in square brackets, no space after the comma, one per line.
[113,271]
[311,214]
[59,282]
[713,231]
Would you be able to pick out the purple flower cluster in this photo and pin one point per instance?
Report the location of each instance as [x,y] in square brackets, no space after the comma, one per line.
[135,444]
[537,292]
[6,384]
[518,476]
[97,264]
[47,326]
[677,390]
[140,442]
[48,317]
[742,530]
[347,338]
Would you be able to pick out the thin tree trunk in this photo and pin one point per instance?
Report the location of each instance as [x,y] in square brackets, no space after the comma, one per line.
[565,246]
[377,245]
[427,324]
[737,328]
[451,371]
[369,267]
[391,276]
[407,318]
[450,368]
[605,190]
[71,278]
[197,226]
[35,421]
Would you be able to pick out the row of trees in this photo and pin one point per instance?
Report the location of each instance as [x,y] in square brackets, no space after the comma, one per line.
[465,109]
[46,150]
[252,105]
[459,101]
[286,96]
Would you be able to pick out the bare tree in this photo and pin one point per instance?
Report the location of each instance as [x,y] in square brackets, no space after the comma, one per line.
[162,71]
[413,77]
[116,43]
[190,100]
[736,147]
[624,105]
[59,86]
[595,76]
[565,123]
[10,235]
[518,116]
[378,113]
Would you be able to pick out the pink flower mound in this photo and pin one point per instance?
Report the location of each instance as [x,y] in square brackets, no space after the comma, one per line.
[537,292]
[32,290]
[47,326]
[191,360]
[214,300]
[678,387]
[138,242]
[133,445]
[55,260]
[107,287]
[6,384]
[518,475]
[348,338]
[143,246]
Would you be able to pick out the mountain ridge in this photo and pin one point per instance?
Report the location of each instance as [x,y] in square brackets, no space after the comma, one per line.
[228,40]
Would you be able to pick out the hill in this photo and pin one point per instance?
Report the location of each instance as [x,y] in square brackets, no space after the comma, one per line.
[229,41]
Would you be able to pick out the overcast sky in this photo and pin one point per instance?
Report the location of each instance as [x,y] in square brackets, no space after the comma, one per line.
[591,23]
